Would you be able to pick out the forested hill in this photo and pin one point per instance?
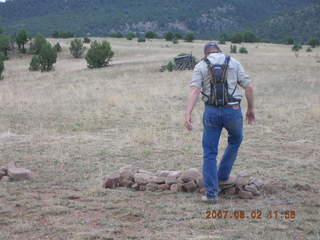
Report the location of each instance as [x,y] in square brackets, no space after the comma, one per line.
[273,19]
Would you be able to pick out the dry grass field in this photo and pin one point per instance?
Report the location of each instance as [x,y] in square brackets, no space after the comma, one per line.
[73,126]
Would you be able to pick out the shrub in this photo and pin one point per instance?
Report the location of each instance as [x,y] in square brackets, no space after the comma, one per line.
[1,69]
[221,41]
[236,38]
[99,54]
[249,37]
[178,36]
[4,58]
[4,44]
[22,39]
[265,40]
[243,50]
[141,39]
[86,40]
[35,63]
[170,66]
[309,49]
[116,35]
[130,36]
[55,34]
[189,37]
[175,41]
[66,34]
[76,48]
[36,45]
[47,57]
[296,47]
[169,36]
[150,35]
[233,49]
[314,42]
[223,37]
[289,41]
[57,47]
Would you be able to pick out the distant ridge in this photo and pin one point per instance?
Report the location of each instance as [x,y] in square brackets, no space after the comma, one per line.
[270,19]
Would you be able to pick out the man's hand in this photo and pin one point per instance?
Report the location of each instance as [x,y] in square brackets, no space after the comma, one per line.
[188,121]
[192,99]
[250,117]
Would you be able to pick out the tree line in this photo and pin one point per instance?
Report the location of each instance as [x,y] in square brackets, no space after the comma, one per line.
[100,53]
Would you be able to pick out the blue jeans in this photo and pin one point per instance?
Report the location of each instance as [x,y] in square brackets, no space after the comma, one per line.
[214,120]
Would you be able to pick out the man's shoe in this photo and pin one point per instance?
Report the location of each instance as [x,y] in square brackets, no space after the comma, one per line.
[205,199]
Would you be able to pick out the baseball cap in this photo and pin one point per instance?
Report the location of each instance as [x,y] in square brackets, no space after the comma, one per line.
[211,44]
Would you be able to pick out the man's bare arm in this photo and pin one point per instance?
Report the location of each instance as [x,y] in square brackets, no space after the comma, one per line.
[250,115]
[192,100]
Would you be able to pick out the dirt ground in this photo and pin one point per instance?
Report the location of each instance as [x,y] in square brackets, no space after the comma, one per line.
[73,126]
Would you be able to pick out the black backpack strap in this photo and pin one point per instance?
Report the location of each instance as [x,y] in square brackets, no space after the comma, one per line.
[226,65]
[212,78]
[227,60]
[207,61]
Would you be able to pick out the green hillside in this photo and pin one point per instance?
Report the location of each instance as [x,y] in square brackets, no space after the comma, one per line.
[271,19]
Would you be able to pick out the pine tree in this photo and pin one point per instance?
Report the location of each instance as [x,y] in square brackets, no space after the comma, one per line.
[36,45]
[47,57]
[22,39]
[1,69]
[35,63]
[99,54]
[237,38]
[76,48]
[130,36]
[169,36]
[189,37]
[57,47]
[4,44]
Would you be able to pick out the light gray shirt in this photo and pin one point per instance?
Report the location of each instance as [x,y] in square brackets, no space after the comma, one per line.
[235,75]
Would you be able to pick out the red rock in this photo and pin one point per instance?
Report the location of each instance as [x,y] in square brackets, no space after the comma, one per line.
[128,172]
[171,180]
[144,178]
[199,182]
[245,194]
[123,182]
[5,179]
[169,173]
[242,179]
[164,187]
[18,174]
[135,186]
[190,175]
[158,180]
[231,180]
[163,173]
[2,174]
[152,187]
[189,186]
[144,171]
[176,187]
[230,191]
[111,182]
[259,183]
[4,169]
[253,189]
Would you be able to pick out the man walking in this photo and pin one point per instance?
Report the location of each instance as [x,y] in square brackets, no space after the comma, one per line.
[218,78]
